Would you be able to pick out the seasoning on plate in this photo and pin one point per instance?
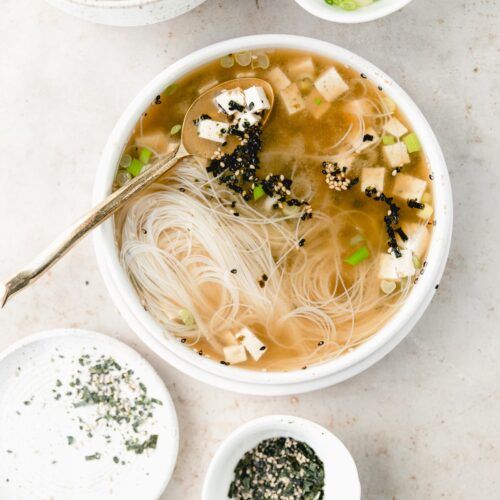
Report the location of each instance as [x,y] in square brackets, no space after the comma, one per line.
[279,468]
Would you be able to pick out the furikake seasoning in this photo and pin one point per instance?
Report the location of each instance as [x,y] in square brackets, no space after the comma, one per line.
[279,469]
[119,400]
[239,171]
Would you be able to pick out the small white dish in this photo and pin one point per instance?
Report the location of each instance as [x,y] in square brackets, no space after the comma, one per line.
[126,12]
[341,475]
[376,10]
[37,458]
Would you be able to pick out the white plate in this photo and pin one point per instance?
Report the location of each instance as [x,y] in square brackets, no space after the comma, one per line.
[341,475]
[36,461]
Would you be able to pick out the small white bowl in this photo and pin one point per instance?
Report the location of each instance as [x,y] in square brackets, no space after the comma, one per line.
[251,381]
[341,475]
[376,10]
[126,12]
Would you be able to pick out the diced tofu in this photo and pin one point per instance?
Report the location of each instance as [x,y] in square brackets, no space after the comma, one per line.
[251,343]
[226,99]
[293,99]
[373,177]
[246,120]
[228,339]
[404,264]
[369,138]
[331,85]
[212,130]
[395,127]
[426,212]
[387,268]
[392,268]
[278,79]
[156,141]
[256,99]
[418,238]
[316,105]
[396,155]
[301,68]
[408,187]
[235,354]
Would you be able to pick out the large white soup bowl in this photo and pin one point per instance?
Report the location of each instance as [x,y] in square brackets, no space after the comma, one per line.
[316,376]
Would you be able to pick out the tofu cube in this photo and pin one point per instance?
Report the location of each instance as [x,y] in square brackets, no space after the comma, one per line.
[226,99]
[293,99]
[395,127]
[387,268]
[235,354]
[301,68]
[369,138]
[404,264]
[396,155]
[156,141]
[228,339]
[372,177]
[418,238]
[278,79]
[408,187]
[316,105]
[331,85]
[393,268]
[212,130]
[256,99]
[251,343]
[246,120]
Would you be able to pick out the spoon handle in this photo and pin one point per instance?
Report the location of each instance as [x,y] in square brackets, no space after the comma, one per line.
[73,234]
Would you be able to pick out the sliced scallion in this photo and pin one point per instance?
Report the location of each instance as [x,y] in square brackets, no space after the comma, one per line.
[388,139]
[187,317]
[135,167]
[412,142]
[258,192]
[170,89]
[175,129]
[145,155]
[358,256]
[356,240]
[125,160]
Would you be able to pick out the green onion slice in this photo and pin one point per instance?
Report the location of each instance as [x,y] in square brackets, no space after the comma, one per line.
[412,142]
[135,167]
[258,192]
[358,256]
[175,129]
[145,155]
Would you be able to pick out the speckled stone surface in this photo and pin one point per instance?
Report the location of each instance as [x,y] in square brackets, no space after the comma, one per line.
[423,422]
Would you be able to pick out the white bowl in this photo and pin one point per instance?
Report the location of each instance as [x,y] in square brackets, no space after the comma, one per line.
[376,10]
[341,475]
[256,382]
[126,12]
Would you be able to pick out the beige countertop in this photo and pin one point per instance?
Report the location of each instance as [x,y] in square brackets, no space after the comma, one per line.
[423,422]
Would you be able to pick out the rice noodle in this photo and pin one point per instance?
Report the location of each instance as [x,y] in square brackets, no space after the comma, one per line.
[180,240]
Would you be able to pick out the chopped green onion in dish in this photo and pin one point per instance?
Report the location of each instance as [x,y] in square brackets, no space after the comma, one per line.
[258,192]
[187,317]
[125,161]
[175,129]
[122,177]
[135,167]
[227,61]
[388,139]
[145,155]
[358,256]
[349,4]
[170,89]
[412,143]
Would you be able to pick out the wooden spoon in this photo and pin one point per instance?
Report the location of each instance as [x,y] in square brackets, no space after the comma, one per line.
[190,145]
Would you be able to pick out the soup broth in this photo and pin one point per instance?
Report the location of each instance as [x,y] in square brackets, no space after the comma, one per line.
[260,281]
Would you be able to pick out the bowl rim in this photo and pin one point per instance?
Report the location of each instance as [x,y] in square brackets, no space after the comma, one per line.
[362,15]
[340,467]
[244,380]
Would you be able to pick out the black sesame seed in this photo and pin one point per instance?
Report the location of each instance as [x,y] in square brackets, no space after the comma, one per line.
[234,271]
